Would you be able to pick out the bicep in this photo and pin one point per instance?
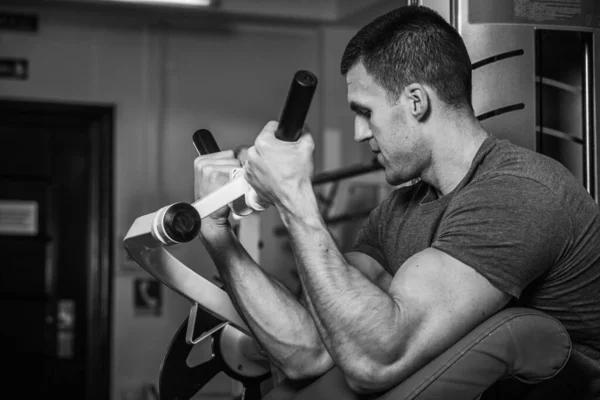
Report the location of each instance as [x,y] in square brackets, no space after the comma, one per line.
[440,300]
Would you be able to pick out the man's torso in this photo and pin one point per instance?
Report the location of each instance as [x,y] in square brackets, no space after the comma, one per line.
[568,288]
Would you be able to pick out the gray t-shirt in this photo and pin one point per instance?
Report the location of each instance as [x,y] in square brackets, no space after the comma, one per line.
[521,220]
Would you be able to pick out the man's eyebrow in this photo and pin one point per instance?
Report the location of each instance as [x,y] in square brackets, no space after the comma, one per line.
[357,108]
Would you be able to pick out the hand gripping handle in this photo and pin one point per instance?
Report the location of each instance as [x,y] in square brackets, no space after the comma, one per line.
[292,119]
[205,143]
[291,122]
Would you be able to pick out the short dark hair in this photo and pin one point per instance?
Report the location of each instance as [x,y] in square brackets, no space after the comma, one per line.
[413,44]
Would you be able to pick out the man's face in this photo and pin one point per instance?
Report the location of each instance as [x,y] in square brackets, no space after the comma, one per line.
[388,126]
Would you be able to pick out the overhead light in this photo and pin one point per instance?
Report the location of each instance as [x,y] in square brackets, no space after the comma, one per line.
[197,3]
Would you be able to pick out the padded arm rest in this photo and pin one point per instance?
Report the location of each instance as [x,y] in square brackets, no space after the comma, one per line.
[517,342]
[521,343]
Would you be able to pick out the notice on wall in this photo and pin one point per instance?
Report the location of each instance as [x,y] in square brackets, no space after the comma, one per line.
[18,217]
[580,13]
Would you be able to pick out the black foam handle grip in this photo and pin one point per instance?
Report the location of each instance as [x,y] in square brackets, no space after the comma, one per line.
[204,142]
[296,106]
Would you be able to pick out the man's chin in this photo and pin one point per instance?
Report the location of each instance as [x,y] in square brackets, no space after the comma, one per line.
[393,180]
[396,180]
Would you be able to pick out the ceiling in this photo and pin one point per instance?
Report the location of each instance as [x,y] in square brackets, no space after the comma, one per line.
[309,11]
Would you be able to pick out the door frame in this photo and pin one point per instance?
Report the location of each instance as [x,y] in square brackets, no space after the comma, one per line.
[100,121]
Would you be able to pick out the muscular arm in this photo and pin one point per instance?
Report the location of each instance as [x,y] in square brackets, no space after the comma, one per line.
[279,322]
[287,332]
[380,337]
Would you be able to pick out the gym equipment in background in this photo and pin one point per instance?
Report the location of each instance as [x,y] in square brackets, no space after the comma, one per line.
[212,314]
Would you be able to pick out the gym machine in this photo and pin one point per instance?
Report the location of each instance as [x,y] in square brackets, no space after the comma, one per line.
[212,314]
[508,344]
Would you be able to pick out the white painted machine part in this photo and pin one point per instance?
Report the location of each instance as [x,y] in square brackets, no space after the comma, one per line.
[190,335]
[251,201]
[149,252]
[224,195]
[146,242]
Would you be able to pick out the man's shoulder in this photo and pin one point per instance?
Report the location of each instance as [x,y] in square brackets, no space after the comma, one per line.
[526,176]
[507,157]
[531,169]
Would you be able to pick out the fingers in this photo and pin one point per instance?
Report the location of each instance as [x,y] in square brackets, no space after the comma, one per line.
[252,171]
[267,134]
[212,171]
[307,141]
[202,162]
[252,155]
[266,138]
[252,165]
[225,158]
[220,155]
[241,153]
[271,127]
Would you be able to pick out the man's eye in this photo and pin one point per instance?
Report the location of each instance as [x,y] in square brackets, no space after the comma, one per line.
[364,113]
[361,111]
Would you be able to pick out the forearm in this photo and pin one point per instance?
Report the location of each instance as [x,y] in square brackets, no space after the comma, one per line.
[347,307]
[282,326]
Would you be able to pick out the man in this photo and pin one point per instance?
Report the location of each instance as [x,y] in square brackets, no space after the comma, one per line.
[488,225]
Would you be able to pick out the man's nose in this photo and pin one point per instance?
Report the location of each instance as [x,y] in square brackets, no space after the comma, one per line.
[362,131]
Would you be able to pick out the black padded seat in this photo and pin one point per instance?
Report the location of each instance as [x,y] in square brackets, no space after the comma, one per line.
[518,343]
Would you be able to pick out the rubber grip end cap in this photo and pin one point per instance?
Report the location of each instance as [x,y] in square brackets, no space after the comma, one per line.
[182,222]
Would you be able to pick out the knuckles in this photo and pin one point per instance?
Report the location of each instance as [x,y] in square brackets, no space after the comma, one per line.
[308,142]
[265,136]
[207,168]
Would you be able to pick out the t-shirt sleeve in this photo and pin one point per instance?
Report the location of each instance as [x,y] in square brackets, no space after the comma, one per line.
[368,240]
[510,229]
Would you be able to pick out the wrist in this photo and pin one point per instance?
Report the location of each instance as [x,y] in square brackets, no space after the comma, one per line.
[211,228]
[303,207]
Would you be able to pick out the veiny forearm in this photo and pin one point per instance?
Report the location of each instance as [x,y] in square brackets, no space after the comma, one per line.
[347,307]
[281,325]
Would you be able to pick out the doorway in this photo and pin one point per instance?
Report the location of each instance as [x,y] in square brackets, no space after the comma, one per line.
[55,241]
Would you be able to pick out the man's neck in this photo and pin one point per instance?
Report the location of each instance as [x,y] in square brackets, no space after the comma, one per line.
[454,146]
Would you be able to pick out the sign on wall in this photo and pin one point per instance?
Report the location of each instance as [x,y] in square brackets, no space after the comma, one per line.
[18,217]
[20,22]
[581,13]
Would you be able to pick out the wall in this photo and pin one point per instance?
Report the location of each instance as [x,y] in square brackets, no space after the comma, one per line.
[165,83]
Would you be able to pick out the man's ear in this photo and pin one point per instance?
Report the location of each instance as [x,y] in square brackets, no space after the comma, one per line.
[418,100]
